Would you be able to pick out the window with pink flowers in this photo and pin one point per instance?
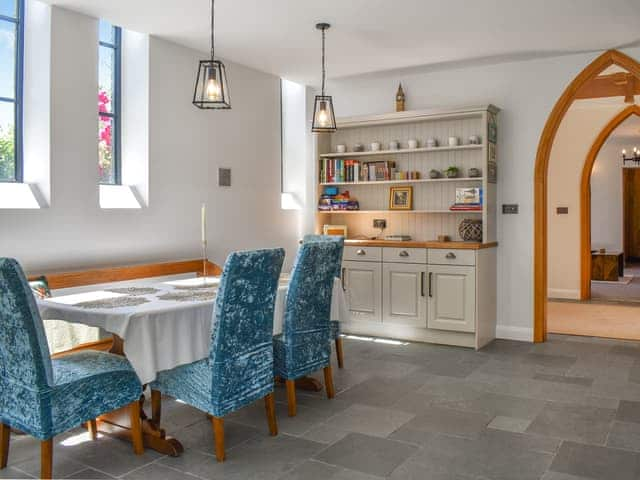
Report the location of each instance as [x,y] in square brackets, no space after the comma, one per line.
[109,103]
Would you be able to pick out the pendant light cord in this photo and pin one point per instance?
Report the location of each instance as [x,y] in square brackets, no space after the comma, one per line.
[324,73]
[212,30]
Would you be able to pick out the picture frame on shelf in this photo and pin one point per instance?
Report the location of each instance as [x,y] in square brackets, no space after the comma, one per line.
[401,198]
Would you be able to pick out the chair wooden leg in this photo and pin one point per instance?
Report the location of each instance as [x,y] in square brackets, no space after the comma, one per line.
[136,428]
[328,382]
[218,437]
[46,458]
[5,436]
[270,407]
[92,426]
[339,352]
[291,397]
[156,407]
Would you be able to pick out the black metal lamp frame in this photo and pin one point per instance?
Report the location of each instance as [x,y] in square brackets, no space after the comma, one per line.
[323,101]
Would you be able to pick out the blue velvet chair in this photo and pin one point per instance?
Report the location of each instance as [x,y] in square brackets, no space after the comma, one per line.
[44,397]
[304,345]
[335,324]
[239,368]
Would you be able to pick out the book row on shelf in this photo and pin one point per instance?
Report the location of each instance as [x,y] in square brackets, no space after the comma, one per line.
[337,170]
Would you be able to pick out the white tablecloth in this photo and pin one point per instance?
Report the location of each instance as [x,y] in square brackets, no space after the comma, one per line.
[162,334]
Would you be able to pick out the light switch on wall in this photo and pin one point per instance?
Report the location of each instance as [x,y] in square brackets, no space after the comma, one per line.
[224,177]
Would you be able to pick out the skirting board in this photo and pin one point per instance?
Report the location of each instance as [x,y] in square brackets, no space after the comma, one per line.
[522,334]
[566,294]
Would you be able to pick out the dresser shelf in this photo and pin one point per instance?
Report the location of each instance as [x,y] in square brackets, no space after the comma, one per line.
[352,212]
[400,182]
[402,151]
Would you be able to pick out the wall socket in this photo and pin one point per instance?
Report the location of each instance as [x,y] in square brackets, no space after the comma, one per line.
[379,223]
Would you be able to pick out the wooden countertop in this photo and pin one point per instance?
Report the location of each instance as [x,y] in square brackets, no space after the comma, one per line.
[416,244]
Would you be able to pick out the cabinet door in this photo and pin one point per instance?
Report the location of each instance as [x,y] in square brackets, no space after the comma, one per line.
[452,298]
[361,281]
[404,298]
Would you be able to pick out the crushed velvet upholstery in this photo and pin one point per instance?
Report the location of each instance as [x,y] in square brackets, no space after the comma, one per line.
[239,369]
[339,239]
[44,397]
[304,345]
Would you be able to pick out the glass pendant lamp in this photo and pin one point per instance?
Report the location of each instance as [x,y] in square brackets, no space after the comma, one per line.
[324,120]
[212,89]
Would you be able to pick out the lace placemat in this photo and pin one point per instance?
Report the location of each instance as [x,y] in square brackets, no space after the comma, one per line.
[201,295]
[135,291]
[116,302]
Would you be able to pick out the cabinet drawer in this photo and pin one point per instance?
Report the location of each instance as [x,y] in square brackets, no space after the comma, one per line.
[442,256]
[404,255]
[363,254]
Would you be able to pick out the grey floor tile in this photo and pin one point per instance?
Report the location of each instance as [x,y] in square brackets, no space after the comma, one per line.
[366,454]
[583,381]
[90,474]
[509,424]
[11,472]
[596,462]
[324,433]
[626,350]
[261,458]
[443,389]
[156,470]
[449,421]
[412,470]
[199,436]
[625,435]
[544,360]
[573,422]
[369,420]
[561,476]
[495,404]
[628,411]
[507,348]
[496,455]
[379,392]
[63,464]
[313,470]
[634,372]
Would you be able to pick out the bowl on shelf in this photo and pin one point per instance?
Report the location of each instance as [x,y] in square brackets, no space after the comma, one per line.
[434,174]
[474,173]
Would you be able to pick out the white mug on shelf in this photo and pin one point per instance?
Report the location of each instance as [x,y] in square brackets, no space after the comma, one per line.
[453,141]
[474,140]
[413,143]
[341,148]
[432,142]
[394,145]
[375,146]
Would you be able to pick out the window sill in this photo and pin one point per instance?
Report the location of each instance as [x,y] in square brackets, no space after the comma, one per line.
[289,201]
[118,197]
[19,196]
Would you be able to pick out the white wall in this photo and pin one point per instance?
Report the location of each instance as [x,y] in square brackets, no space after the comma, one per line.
[607,222]
[526,92]
[186,146]
[578,130]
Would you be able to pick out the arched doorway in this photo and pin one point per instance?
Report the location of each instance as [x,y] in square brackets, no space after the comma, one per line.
[585,197]
[607,59]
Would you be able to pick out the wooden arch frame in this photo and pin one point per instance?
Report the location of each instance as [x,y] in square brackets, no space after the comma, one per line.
[610,57]
[585,197]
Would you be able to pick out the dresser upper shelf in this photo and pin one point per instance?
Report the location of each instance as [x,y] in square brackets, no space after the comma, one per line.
[405,181]
[402,151]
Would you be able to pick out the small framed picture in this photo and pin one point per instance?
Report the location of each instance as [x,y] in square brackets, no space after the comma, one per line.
[401,198]
[335,230]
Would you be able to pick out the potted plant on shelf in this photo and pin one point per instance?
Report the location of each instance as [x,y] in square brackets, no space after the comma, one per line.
[451,172]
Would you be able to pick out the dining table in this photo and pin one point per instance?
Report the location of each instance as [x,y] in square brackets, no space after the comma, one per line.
[159,325]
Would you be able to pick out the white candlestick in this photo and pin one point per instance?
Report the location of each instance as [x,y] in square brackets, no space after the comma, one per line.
[203,223]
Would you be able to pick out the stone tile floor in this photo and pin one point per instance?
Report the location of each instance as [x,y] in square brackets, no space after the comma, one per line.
[568,409]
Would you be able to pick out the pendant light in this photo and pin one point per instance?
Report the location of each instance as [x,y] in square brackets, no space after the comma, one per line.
[212,89]
[324,121]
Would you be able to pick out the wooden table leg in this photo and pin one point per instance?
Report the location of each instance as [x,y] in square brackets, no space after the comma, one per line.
[118,423]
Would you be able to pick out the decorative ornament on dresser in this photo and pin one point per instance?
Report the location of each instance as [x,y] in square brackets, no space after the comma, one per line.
[212,88]
[470,230]
[324,120]
[400,99]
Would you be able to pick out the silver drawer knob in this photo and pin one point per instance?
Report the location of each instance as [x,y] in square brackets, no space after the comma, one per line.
[451,255]
[360,252]
[404,253]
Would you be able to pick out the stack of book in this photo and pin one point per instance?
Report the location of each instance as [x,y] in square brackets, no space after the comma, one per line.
[378,171]
[338,201]
[337,170]
[468,200]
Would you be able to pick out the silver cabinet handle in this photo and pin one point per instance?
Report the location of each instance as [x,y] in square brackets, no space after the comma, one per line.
[430,278]
[404,253]
[342,279]
[451,255]
[360,252]
[422,283]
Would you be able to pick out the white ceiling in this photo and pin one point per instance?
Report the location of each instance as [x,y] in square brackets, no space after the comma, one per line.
[278,36]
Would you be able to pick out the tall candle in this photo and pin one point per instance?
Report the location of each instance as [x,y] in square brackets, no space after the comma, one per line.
[203,223]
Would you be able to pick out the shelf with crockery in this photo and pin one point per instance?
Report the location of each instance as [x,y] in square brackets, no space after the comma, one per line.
[401,151]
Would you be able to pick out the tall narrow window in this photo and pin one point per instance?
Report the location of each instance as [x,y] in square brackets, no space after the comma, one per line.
[109,103]
[11,53]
